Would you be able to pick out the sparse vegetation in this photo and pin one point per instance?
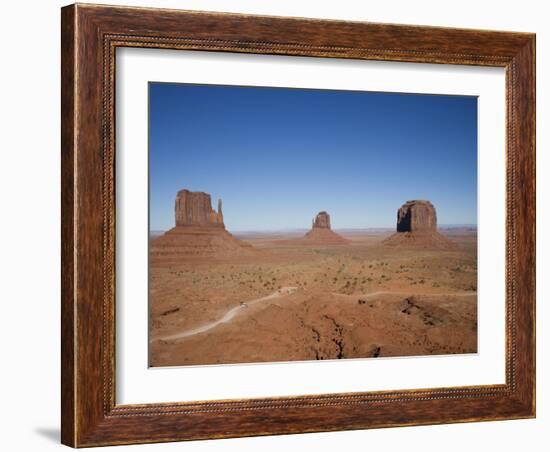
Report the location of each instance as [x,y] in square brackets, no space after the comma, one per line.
[336,281]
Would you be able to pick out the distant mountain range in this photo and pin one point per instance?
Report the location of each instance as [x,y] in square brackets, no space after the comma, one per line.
[344,231]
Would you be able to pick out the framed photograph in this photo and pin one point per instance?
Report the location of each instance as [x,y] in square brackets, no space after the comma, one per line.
[281,225]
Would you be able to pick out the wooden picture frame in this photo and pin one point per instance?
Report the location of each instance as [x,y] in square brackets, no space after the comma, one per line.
[90,36]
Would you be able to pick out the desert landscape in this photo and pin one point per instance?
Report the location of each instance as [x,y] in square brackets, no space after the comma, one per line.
[313,294]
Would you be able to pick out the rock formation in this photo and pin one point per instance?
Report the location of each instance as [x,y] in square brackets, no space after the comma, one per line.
[321,232]
[417,227]
[199,232]
[195,209]
[322,220]
[416,216]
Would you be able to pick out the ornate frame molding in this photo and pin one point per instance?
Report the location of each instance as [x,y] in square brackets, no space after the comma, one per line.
[90,37]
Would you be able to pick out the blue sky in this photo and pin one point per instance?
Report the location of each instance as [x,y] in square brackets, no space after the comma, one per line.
[277,156]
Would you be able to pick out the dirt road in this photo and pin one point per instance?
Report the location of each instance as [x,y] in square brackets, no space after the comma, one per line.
[282,292]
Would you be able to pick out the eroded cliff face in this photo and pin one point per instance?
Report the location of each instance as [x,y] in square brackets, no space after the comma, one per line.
[195,209]
[199,233]
[321,232]
[321,220]
[417,228]
[416,216]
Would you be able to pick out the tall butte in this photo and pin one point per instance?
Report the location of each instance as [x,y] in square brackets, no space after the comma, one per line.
[195,209]
[199,231]
[321,232]
[417,227]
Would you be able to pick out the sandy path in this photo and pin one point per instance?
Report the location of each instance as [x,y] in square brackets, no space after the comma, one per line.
[282,292]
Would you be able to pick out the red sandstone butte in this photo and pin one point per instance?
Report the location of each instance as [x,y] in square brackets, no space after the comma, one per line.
[199,232]
[195,209]
[417,227]
[416,216]
[321,232]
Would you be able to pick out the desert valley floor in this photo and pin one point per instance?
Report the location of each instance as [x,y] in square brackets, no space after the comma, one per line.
[284,300]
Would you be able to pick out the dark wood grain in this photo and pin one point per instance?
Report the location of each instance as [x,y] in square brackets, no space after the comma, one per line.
[68,388]
[90,36]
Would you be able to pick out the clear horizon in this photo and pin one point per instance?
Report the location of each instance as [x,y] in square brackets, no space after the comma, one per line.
[301,229]
[278,156]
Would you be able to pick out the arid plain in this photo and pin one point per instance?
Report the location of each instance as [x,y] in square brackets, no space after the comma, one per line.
[217,298]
